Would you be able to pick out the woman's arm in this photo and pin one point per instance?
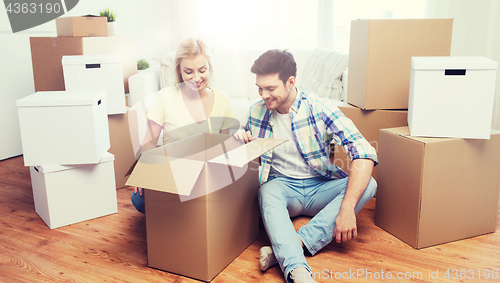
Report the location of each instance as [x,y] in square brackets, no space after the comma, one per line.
[153,131]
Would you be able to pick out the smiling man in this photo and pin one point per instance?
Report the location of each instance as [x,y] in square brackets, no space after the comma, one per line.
[297,178]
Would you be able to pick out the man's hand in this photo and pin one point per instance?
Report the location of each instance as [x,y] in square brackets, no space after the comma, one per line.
[136,189]
[243,136]
[359,176]
[345,226]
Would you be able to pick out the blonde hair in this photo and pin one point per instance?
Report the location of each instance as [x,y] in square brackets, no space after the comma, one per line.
[190,48]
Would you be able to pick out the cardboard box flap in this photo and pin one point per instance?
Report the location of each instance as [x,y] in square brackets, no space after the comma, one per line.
[185,173]
[453,62]
[62,98]
[165,174]
[405,132]
[248,152]
[107,157]
[158,170]
[90,60]
[89,16]
[401,131]
[220,145]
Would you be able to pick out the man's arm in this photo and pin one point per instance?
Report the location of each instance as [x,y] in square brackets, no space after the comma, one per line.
[153,132]
[364,158]
[244,134]
[359,177]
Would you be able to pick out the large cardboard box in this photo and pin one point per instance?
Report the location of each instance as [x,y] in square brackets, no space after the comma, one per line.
[380,54]
[121,147]
[201,202]
[47,53]
[369,123]
[63,127]
[97,72]
[452,96]
[82,26]
[437,190]
[65,195]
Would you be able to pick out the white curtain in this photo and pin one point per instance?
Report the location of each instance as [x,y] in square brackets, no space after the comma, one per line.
[476,32]
[246,24]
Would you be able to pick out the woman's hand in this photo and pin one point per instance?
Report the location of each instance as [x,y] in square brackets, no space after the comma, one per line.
[136,189]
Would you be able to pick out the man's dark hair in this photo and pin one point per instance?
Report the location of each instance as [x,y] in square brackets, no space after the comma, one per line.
[275,61]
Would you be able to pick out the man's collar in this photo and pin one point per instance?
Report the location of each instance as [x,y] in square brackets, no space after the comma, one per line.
[296,102]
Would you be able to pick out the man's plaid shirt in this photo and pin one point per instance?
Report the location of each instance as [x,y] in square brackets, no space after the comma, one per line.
[315,123]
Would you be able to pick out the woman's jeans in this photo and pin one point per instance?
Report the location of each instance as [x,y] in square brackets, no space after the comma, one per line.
[138,201]
[281,198]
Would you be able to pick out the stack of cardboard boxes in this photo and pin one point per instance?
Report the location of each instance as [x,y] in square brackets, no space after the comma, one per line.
[65,140]
[438,178]
[80,78]
[380,54]
[88,36]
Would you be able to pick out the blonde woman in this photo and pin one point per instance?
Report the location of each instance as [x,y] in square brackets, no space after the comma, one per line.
[188,108]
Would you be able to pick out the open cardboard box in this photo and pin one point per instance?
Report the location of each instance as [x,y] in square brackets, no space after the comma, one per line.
[201,202]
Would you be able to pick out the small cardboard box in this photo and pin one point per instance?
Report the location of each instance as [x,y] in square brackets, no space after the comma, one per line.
[452,96]
[369,123]
[380,54]
[66,195]
[121,147]
[201,202]
[82,26]
[437,190]
[63,127]
[47,53]
[97,72]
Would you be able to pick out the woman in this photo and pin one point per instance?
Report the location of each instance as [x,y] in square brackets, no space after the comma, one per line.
[188,108]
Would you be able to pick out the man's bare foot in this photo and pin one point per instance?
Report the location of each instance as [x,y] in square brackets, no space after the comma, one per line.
[267,258]
[301,275]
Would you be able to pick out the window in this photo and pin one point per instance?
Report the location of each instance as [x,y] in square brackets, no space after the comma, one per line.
[344,11]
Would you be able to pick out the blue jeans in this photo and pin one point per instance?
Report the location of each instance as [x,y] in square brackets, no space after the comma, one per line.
[281,198]
[138,201]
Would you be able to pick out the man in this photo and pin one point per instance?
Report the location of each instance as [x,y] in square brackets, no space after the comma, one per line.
[297,178]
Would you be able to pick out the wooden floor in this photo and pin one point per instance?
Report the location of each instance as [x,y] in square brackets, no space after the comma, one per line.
[113,248]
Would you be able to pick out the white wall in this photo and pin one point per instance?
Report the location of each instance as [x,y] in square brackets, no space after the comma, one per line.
[476,32]
[16,81]
[158,28]
[147,21]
